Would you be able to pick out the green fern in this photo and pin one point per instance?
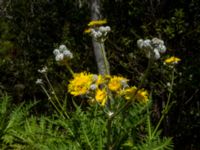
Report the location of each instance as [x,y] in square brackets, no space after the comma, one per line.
[11,119]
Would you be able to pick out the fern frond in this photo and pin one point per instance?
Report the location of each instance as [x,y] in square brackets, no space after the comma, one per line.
[164,144]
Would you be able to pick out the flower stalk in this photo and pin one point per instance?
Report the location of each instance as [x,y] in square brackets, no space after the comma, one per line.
[167,106]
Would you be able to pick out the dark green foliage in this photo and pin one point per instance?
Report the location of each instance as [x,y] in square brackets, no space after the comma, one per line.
[12,118]
[85,129]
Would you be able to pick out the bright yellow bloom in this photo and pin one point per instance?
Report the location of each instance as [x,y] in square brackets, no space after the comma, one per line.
[97,22]
[87,30]
[101,96]
[172,60]
[80,84]
[142,96]
[116,83]
[129,93]
[100,80]
[133,93]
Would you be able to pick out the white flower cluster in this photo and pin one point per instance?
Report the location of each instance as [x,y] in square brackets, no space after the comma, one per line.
[153,48]
[43,70]
[62,53]
[100,33]
[39,81]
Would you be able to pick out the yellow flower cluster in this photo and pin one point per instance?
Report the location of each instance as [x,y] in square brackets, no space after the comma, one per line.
[172,60]
[101,96]
[98,87]
[80,84]
[132,93]
[97,22]
[87,30]
[116,83]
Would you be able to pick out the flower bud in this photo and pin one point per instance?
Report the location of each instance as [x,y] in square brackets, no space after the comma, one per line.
[59,57]
[56,52]
[93,87]
[62,48]
[156,41]
[67,54]
[39,81]
[102,29]
[147,44]
[108,29]
[140,43]
[162,48]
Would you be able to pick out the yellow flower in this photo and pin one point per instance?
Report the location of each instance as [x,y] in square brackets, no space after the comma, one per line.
[142,96]
[87,30]
[116,83]
[129,93]
[80,84]
[97,22]
[100,80]
[172,60]
[101,96]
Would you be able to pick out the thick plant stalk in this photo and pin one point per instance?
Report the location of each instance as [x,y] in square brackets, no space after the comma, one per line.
[99,50]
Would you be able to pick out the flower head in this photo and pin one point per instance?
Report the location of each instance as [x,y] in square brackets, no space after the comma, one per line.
[116,83]
[39,81]
[87,30]
[172,60]
[100,80]
[81,84]
[133,93]
[101,96]
[43,70]
[97,30]
[62,53]
[129,93]
[97,22]
[152,48]
[142,96]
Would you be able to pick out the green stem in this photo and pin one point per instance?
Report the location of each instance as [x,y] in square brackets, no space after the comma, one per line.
[150,62]
[55,96]
[128,103]
[70,70]
[166,109]
[125,106]
[49,97]
[109,128]
[149,124]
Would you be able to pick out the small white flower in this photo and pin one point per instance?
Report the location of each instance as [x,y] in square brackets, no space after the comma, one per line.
[147,44]
[62,48]
[67,54]
[43,70]
[56,52]
[108,29]
[102,29]
[161,48]
[59,57]
[93,87]
[39,81]
[110,114]
[156,41]
[140,43]
[93,32]
[95,35]
[168,84]
[98,34]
